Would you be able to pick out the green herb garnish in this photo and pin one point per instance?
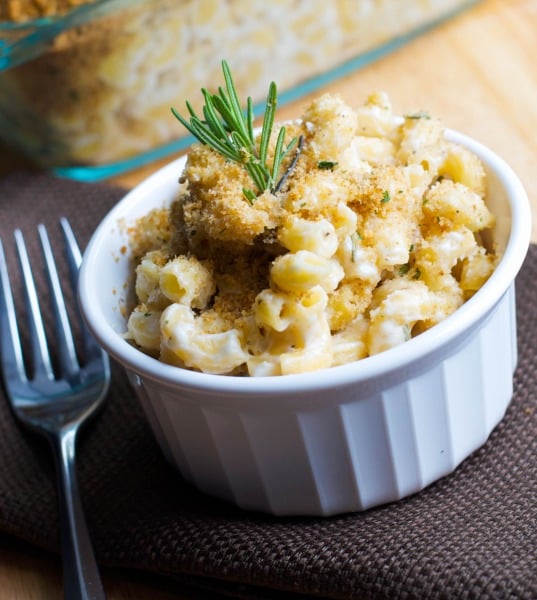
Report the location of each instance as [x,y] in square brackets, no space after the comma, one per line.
[418,115]
[249,195]
[385,197]
[327,164]
[355,238]
[229,130]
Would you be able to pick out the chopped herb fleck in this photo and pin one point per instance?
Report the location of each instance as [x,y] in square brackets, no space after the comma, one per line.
[403,269]
[355,238]
[385,197]
[328,165]
[421,114]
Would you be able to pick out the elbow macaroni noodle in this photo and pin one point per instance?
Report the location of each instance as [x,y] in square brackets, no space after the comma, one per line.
[376,237]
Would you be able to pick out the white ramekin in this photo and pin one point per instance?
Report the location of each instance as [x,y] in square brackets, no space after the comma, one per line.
[336,440]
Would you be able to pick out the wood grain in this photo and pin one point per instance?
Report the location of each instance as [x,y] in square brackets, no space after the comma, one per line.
[477,74]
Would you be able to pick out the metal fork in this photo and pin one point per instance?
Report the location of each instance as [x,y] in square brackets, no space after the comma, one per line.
[55,405]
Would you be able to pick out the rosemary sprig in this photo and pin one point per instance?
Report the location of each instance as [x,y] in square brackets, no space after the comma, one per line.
[229,130]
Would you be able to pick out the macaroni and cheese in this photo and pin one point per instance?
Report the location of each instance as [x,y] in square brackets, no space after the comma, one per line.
[375,237]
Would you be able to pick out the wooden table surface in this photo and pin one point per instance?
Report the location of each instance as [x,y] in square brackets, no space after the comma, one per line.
[477,73]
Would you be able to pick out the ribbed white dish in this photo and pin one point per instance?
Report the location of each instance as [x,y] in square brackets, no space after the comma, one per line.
[337,440]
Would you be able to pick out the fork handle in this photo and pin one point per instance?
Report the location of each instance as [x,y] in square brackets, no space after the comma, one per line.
[80,572]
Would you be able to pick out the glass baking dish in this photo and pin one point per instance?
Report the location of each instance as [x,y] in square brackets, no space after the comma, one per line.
[88,94]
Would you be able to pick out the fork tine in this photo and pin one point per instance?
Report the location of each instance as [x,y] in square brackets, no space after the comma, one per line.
[11,352]
[42,365]
[74,258]
[74,255]
[66,345]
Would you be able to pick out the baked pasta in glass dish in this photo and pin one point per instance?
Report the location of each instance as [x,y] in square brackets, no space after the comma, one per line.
[86,87]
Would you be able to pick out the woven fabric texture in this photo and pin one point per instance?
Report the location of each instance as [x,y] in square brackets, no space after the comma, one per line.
[472,534]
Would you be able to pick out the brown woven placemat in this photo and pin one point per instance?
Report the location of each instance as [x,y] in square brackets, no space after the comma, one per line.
[472,534]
